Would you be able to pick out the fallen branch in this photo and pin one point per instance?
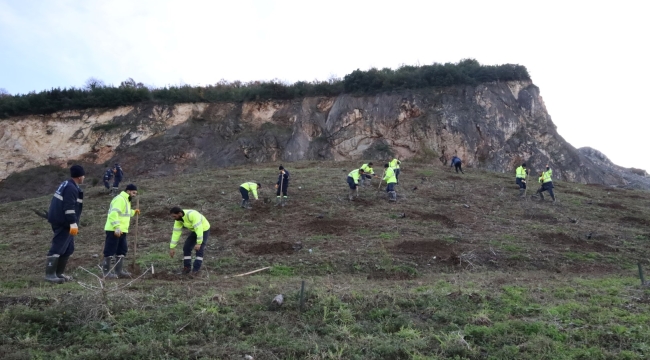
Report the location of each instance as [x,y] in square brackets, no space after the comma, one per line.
[250,272]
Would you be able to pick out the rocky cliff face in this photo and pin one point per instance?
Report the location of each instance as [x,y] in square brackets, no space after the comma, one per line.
[494,126]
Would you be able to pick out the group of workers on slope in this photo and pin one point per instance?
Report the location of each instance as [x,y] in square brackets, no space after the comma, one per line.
[359,177]
[65,212]
[545,179]
[67,204]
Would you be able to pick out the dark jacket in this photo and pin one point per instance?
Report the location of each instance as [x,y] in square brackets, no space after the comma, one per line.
[66,204]
[286,177]
[119,173]
[455,160]
[108,174]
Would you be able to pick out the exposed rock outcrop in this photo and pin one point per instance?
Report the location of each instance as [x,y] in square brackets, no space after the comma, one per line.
[493,126]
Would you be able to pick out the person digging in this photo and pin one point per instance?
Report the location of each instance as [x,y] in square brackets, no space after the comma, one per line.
[547,183]
[353,182]
[245,189]
[116,228]
[282,185]
[521,175]
[198,238]
[391,180]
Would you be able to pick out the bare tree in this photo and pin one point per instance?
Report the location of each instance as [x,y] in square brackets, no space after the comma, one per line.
[4,92]
[93,83]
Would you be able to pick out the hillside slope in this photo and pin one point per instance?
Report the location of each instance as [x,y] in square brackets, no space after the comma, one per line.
[492,126]
[459,266]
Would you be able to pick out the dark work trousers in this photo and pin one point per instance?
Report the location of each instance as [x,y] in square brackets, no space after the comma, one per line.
[522,184]
[115,245]
[353,186]
[116,182]
[244,193]
[547,186]
[62,242]
[187,250]
[107,184]
[458,167]
[397,176]
[390,187]
[285,185]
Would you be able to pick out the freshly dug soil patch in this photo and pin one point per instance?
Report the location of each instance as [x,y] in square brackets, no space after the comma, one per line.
[635,220]
[440,249]
[579,193]
[326,226]
[565,241]
[615,206]
[436,217]
[545,218]
[279,247]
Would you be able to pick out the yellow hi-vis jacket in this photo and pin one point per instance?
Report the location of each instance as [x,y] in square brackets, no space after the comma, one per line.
[394,163]
[522,172]
[251,187]
[192,220]
[546,176]
[355,175]
[119,214]
[368,170]
[390,176]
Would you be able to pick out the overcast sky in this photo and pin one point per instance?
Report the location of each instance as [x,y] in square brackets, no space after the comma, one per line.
[590,59]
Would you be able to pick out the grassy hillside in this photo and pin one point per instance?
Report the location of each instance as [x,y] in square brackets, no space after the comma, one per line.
[458,268]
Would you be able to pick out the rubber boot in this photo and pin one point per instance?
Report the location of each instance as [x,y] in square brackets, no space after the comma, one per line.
[392,195]
[60,268]
[541,196]
[553,197]
[278,201]
[119,268]
[351,195]
[50,270]
[521,192]
[284,200]
[186,270]
[106,268]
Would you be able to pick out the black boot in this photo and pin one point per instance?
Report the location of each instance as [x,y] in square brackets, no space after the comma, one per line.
[60,268]
[106,268]
[541,196]
[119,265]
[50,270]
[243,203]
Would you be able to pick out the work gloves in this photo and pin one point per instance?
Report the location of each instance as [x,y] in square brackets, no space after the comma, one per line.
[117,232]
[74,229]
[137,211]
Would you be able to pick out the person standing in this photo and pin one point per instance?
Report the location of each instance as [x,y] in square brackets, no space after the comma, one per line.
[391,180]
[521,175]
[282,185]
[108,175]
[197,240]
[118,175]
[116,228]
[245,189]
[547,183]
[394,164]
[64,214]
[353,182]
[457,163]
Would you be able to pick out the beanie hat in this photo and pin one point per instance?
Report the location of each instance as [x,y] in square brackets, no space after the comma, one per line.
[131,187]
[77,171]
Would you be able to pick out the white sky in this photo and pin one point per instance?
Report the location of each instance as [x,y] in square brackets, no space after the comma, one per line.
[590,59]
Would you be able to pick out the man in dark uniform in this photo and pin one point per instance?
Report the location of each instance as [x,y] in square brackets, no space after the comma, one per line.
[282,185]
[63,215]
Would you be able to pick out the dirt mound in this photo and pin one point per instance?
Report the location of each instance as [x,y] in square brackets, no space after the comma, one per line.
[279,247]
[435,217]
[566,241]
[440,249]
[634,220]
[156,214]
[615,206]
[327,226]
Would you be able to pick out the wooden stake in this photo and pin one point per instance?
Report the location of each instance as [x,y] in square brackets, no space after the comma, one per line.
[135,244]
[250,272]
